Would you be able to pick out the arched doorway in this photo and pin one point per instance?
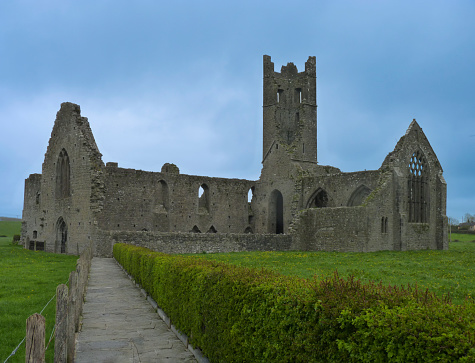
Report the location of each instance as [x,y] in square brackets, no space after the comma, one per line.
[61,236]
[276,212]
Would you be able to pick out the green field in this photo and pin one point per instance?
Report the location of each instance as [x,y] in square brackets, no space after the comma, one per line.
[442,272]
[459,237]
[28,280]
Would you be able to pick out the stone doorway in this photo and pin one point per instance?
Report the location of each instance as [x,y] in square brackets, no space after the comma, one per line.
[61,236]
[276,212]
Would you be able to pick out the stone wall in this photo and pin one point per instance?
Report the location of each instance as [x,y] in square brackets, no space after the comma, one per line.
[174,243]
[70,187]
[341,188]
[31,222]
[168,201]
[78,199]
[332,229]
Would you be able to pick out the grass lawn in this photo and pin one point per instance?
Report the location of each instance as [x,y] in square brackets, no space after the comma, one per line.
[443,272]
[28,280]
[461,237]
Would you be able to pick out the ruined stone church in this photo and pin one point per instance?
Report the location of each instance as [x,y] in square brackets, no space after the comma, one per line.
[296,204]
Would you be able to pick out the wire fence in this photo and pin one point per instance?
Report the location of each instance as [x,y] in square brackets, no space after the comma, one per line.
[23,340]
[77,291]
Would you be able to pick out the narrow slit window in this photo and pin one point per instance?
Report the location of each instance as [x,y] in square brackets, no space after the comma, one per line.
[298,95]
[280,95]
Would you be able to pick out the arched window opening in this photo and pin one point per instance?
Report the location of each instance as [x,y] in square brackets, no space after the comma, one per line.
[384,224]
[280,95]
[298,95]
[359,196]
[250,194]
[203,198]
[248,230]
[319,199]
[61,236]
[162,198]
[418,189]
[63,189]
[276,213]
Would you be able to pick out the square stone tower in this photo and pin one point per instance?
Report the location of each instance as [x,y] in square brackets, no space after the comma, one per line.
[290,110]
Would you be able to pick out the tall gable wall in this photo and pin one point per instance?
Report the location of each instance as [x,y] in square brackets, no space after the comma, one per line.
[71,191]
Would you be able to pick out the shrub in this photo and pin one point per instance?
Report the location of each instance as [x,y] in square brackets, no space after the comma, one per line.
[16,239]
[254,315]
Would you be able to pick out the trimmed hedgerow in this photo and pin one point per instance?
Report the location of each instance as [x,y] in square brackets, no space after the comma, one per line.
[250,315]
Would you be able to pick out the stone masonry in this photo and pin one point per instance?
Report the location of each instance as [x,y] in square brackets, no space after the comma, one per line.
[78,198]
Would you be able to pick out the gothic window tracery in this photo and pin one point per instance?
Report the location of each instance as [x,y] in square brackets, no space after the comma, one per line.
[418,189]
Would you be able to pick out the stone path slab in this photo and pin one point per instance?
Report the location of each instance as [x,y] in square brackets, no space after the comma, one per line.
[119,324]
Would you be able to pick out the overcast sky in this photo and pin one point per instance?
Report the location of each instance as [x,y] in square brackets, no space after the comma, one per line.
[181,82]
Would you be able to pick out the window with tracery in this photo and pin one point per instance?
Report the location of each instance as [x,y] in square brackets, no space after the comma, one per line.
[418,189]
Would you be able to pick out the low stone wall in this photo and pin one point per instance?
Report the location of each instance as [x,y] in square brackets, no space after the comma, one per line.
[173,243]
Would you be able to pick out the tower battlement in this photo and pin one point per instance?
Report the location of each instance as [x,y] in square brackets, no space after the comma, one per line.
[290,101]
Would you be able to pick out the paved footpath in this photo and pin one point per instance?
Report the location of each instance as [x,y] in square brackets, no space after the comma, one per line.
[120,325]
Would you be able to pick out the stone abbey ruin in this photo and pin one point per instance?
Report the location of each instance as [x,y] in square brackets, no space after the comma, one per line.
[296,204]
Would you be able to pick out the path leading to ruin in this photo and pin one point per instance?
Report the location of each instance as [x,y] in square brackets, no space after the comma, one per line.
[120,325]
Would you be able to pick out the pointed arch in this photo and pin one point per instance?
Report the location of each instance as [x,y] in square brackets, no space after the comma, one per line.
[162,197]
[212,230]
[195,229]
[359,196]
[319,199]
[63,175]
[250,194]
[203,198]
[61,236]
[276,212]
[418,188]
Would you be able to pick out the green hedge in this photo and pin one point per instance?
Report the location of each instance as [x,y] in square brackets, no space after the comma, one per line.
[250,315]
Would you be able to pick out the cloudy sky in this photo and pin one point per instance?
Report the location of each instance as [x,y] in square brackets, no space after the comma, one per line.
[181,82]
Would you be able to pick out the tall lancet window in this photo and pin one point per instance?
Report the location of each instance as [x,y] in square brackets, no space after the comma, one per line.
[63,188]
[418,189]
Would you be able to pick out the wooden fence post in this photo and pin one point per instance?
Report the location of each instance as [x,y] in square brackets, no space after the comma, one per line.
[35,339]
[79,271]
[73,279]
[61,332]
